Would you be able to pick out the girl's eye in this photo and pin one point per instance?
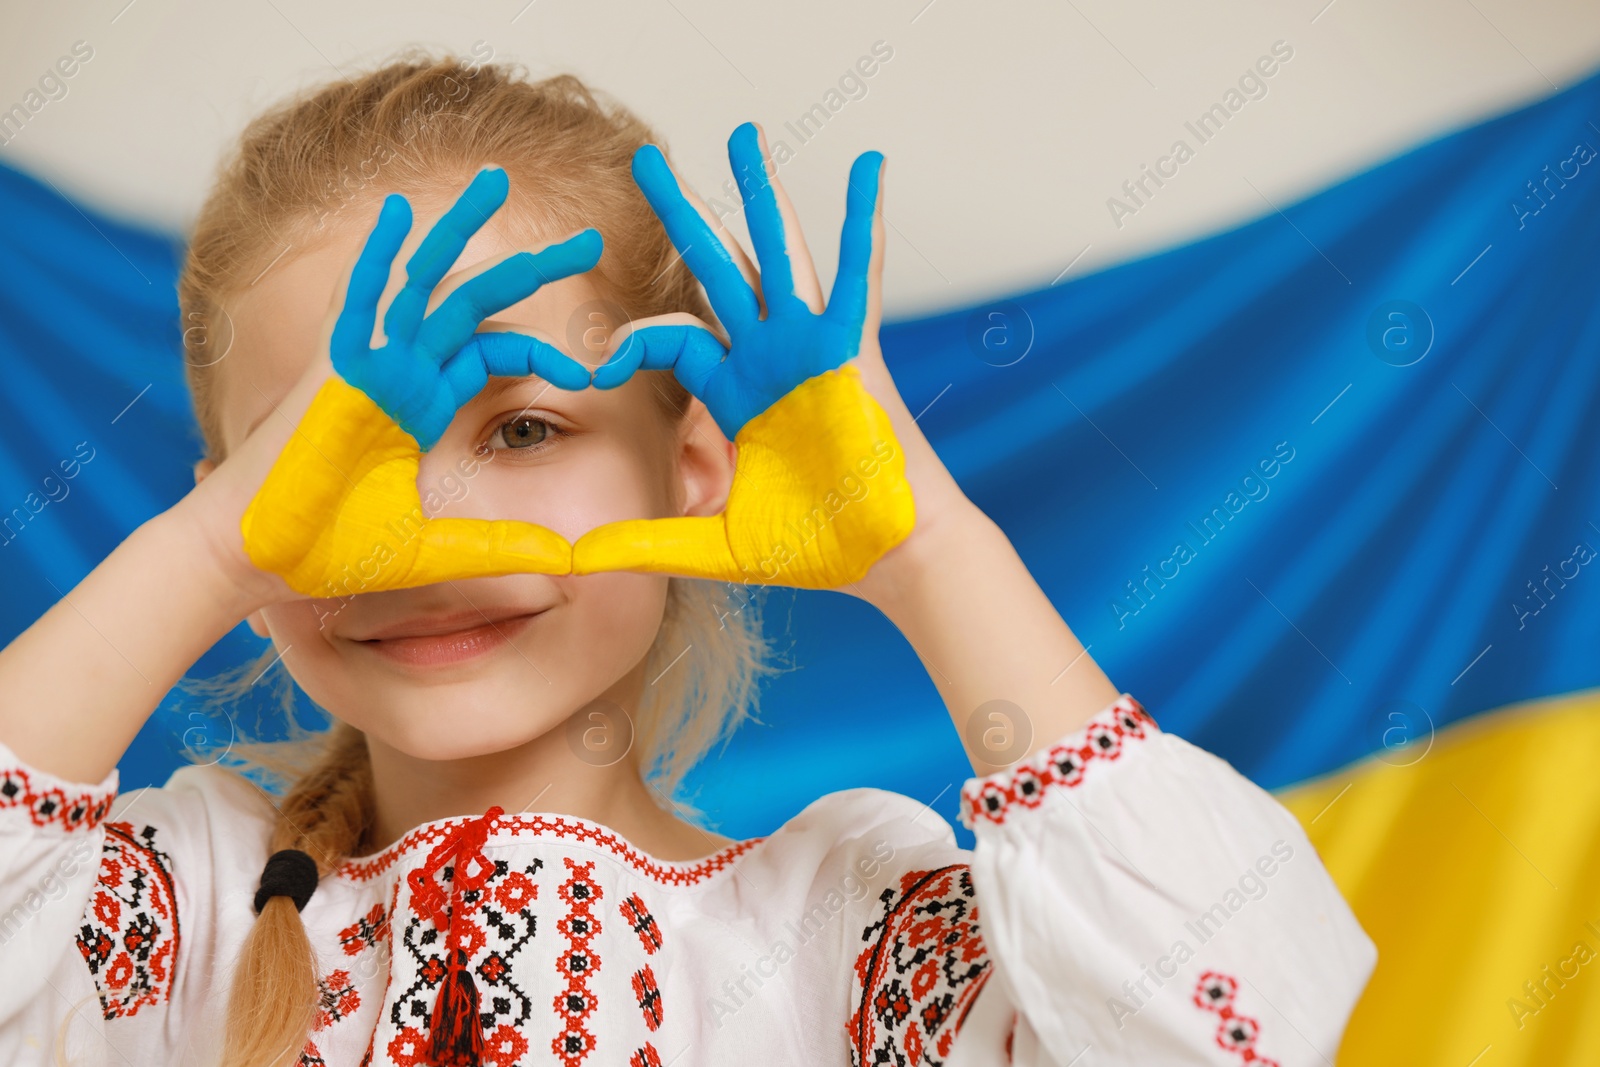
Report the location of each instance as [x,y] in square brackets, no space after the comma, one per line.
[524,431]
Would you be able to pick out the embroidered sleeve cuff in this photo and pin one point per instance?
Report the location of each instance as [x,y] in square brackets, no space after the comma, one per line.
[1064,765]
[49,802]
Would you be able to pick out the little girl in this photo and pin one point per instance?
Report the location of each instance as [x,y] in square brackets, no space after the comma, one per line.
[484,864]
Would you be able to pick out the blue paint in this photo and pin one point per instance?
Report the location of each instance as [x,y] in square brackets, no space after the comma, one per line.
[432,364]
[767,356]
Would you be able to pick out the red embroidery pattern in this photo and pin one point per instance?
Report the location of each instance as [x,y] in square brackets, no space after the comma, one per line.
[130,935]
[50,805]
[365,932]
[1062,766]
[923,966]
[638,917]
[493,923]
[339,999]
[409,1048]
[560,828]
[1235,1033]
[645,1057]
[388,981]
[649,996]
[505,1047]
[579,926]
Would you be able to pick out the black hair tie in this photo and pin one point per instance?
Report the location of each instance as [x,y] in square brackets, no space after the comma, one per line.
[289,873]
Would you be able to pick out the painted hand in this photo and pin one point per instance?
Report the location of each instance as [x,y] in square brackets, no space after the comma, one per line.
[340,513]
[432,364]
[819,493]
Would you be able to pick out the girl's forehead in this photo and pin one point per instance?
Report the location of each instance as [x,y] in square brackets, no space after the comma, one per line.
[277,321]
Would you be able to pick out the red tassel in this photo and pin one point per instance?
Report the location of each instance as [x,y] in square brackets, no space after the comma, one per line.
[456,1036]
[455,1030]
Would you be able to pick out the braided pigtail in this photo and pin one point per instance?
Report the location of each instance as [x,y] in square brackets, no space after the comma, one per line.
[325,817]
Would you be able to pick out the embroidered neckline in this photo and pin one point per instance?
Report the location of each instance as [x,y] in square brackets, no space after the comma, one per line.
[506,829]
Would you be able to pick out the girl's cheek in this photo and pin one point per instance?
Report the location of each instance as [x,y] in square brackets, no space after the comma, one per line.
[299,622]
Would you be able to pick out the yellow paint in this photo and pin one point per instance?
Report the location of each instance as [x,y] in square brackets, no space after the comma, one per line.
[819,495]
[1473,870]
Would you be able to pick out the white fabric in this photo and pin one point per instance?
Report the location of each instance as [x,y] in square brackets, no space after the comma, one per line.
[1131,900]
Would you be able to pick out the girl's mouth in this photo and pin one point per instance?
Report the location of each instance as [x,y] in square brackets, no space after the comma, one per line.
[447,641]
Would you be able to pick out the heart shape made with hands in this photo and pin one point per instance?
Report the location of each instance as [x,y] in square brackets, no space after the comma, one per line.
[819,492]
[818,495]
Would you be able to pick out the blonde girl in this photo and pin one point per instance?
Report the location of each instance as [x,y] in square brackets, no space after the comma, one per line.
[484,862]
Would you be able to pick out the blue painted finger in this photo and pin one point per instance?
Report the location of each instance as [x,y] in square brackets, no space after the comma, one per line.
[700,356]
[731,296]
[508,354]
[465,375]
[847,304]
[442,247]
[763,216]
[453,322]
[352,331]
[692,353]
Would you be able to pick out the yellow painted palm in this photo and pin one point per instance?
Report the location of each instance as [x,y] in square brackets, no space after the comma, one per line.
[819,495]
[340,512]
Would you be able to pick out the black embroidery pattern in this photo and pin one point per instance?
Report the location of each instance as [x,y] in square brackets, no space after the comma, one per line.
[130,935]
[1236,1033]
[365,932]
[639,919]
[49,805]
[497,921]
[648,994]
[1063,766]
[920,972]
[577,962]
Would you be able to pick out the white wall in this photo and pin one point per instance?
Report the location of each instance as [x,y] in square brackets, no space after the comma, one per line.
[1007,125]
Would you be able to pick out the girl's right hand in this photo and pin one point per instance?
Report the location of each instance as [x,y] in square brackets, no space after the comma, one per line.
[377,408]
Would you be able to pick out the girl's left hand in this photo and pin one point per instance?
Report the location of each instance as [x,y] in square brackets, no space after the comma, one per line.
[781,332]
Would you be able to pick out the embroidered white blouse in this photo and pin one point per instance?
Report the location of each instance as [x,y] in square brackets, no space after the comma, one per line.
[1131,899]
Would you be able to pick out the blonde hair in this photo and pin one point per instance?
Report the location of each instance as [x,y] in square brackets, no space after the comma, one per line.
[421,124]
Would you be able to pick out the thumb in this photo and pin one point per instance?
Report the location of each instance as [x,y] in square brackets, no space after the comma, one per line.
[480,548]
[694,546]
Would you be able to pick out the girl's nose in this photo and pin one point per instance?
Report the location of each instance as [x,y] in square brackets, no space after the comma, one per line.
[450,483]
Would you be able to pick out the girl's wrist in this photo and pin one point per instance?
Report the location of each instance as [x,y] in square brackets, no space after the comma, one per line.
[229,582]
[946,531]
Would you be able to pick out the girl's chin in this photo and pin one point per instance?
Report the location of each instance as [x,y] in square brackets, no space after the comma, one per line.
[467,737]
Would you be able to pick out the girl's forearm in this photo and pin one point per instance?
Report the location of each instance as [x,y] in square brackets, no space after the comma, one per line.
[77,685]
[986,631]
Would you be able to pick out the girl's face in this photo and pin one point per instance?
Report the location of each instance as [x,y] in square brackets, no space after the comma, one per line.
[471,667]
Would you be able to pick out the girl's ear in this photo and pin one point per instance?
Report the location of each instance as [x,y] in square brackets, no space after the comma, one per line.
[705,462]
[203,468]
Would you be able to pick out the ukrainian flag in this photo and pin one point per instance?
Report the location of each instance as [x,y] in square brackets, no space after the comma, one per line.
[1323,491]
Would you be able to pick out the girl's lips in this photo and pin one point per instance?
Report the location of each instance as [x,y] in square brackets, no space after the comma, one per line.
[458,646]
